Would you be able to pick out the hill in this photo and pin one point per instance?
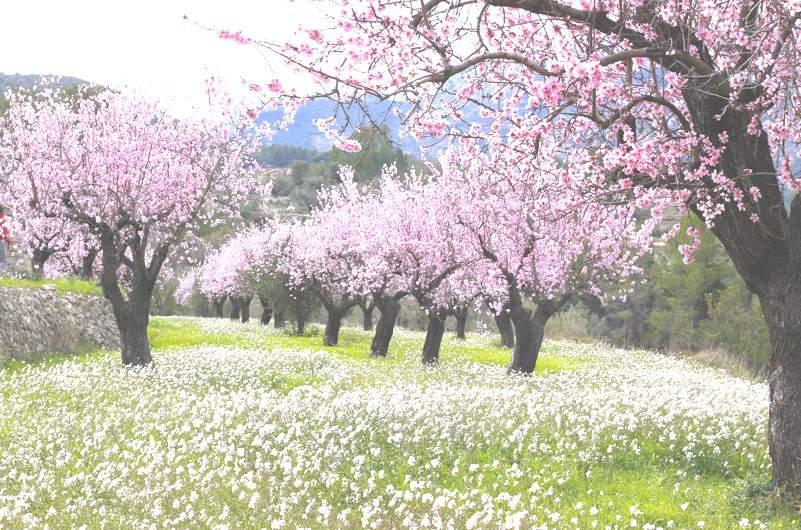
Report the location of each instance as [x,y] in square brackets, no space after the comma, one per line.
[28,81]
[303,132]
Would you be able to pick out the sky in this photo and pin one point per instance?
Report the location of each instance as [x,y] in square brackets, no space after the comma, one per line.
[146,44]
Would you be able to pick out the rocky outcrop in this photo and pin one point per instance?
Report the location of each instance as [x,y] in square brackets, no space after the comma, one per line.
[36,322]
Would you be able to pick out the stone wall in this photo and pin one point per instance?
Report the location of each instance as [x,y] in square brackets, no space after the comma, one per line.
[35,322]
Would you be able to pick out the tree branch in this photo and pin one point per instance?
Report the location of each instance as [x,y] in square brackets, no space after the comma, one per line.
[450,71]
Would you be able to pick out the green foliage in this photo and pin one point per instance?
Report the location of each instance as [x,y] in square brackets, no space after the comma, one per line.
[163,302]
[736,324]
[310,172]
[63,285]
[681,308]
[574,323]
[682,291]
[280,155]
[377,151]
[199,305]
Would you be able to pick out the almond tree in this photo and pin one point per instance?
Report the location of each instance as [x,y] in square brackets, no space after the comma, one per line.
[539,237]
[384,243]
[328,252]
[223,276]
[354,219]
[421,246]
[133,176]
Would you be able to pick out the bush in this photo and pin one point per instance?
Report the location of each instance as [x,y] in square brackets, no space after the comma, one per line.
[574,323]
[736,325]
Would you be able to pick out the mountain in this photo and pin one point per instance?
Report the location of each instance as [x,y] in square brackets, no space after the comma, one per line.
[28,81]
[303,132]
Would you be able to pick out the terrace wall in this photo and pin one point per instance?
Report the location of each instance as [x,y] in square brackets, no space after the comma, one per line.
[35,322]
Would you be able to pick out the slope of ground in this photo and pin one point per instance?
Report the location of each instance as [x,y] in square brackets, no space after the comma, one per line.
[245,427]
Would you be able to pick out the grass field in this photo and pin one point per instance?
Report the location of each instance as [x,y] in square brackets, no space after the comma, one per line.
[246,427]
[63,286]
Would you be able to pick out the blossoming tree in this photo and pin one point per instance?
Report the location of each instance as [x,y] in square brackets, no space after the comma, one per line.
[540,237]
[223,276]
[420,247]
[129,173]
[328,251]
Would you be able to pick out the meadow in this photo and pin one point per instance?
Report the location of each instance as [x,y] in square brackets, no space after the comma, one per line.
[242,426]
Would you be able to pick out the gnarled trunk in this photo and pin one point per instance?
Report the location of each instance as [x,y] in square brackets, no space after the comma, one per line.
[504,324]
[529,332]
[389,308]
[767,254]
[367,317]
[336,309]
[461,322]
[133,338]
[434,333]
[266,310]
[219,305]
[87,270]
[38,259]
[235,307]
[782,308]
[279,317]
[244,308]
[526,349]
[332,326]
[131,311]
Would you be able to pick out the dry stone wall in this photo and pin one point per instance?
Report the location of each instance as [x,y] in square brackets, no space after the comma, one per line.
[35,322]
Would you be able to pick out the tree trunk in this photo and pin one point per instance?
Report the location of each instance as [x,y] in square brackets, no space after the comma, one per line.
[461,322]
[300,325]
[133,338]
[332,326]
[244,308]
[767,255]
[367,317]
[529,333]
[266,310]
[279,317]
[131,310]
[782,309]
[504,324]
[434,333]
[87,271]
[389,308]
[526,350]
[219,304]
[235,307]
[38,259]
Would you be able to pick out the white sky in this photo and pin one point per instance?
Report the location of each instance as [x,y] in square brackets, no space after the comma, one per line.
[146,44]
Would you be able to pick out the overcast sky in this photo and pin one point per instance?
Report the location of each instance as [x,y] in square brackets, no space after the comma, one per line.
[145,44]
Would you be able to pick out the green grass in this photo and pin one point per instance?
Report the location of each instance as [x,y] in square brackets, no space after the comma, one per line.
[354,344]
[548,361]
[63,285]
[648,480]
